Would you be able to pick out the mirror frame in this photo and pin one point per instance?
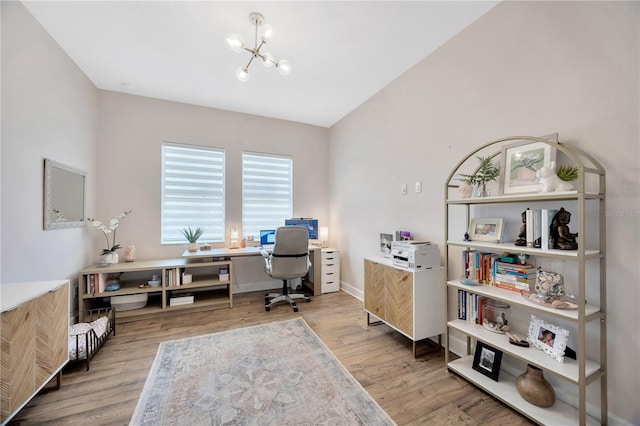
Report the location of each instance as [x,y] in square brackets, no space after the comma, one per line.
[49,165]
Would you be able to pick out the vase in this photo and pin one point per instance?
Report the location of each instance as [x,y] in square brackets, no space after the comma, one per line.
[465,190]
[192,247]
[481,190]
[109,258]
[534,388]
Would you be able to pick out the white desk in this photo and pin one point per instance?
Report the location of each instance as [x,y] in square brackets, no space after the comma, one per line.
[314,281]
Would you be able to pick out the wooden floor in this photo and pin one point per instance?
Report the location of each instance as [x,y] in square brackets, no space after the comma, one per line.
[411,391]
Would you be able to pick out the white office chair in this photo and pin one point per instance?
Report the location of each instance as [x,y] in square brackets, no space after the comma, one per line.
[288,260]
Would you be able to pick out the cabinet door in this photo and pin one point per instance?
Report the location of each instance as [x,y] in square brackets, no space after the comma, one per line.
[52,331]
[17,357]
[399,299]
[374,288]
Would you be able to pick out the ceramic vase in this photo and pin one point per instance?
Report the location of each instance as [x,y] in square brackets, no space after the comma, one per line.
[534,388]
[192,247]
[109,258]
[465,190]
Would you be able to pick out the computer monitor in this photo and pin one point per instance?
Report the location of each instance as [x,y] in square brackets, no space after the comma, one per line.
[267,236]
[310,224]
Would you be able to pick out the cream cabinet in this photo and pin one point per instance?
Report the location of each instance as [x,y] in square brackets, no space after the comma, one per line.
[33,331]
[330,270]
[585,266]
[411,302]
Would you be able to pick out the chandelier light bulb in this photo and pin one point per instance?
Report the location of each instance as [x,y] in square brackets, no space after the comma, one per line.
[267,60]
[234,42]
[267,34]
[242,74]
[284,67]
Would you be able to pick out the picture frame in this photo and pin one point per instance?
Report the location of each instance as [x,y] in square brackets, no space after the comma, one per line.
[487,360]
[385,244]
[486,229]
[549,338]
[520,161]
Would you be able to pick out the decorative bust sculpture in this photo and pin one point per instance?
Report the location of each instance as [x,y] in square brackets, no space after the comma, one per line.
[560,235]
[522,236]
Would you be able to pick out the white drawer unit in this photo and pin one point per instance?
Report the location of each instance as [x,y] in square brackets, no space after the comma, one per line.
[330,270]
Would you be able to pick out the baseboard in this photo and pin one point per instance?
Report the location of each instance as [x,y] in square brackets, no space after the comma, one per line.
[353,291]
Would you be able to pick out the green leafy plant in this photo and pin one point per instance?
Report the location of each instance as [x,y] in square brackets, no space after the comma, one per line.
[192,235]
[485,173]
[567,173]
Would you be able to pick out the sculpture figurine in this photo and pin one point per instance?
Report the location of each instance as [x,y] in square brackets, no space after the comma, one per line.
[522,236]
[562,238]
[550,180]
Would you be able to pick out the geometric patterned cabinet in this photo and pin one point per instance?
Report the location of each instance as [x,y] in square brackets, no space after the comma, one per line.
[34,331]
[409,301]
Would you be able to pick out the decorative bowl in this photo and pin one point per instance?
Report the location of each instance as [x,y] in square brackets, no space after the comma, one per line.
[154,283]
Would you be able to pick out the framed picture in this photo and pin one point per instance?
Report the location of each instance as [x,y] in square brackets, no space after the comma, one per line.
[385,244]
[489,229]
[520,162]
[548,337]
[487,360]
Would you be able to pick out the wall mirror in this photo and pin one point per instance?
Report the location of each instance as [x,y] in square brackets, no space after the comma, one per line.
[64,196]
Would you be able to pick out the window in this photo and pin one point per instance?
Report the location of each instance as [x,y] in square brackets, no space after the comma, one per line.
[192,192]
[267,192]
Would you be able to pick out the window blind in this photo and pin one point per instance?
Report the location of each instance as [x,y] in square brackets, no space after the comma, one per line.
[267,192]
[192,192]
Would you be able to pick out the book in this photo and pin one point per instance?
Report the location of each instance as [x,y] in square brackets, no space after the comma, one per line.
[181,300]
[102,282]
[91,284]
[537,229]
[529,221]
[546,217]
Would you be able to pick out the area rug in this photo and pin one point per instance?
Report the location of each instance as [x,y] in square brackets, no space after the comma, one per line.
[279,373]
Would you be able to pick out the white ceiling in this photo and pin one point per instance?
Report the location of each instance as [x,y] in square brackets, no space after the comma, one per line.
[341,53]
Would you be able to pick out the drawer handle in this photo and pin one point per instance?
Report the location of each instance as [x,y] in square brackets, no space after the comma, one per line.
[330,273]
[329,264]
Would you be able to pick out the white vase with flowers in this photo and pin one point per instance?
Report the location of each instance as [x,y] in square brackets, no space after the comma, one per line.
[109,254]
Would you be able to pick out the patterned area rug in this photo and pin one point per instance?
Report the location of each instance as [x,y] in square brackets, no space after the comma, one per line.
[279,373]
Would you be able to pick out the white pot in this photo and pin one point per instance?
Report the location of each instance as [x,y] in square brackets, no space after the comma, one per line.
[193,247]
[109,258]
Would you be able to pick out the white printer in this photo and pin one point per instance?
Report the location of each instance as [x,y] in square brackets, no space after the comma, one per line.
[415,254]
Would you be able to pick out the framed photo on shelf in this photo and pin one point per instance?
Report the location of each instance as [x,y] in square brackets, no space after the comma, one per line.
[548,337]
[487,360]
[486,229]
[520,162]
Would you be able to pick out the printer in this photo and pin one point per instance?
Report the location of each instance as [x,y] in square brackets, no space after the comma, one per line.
[415,254]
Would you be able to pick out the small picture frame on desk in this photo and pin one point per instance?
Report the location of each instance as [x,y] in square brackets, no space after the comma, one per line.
[385,244]
[487,360]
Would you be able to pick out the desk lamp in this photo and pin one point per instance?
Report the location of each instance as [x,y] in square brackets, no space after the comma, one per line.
[324,236]
[234,238]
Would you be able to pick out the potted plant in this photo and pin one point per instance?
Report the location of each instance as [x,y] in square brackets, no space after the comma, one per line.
[567,173]
[192,236]
[109,255]
[485,173]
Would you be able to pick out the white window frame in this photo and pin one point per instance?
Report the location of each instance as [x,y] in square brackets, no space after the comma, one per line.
[193,192]
[262,186]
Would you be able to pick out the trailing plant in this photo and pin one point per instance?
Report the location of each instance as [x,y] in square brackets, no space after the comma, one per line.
[567,173]
[192,235]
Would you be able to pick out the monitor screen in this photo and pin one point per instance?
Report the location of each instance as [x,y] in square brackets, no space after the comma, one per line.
[310,224]
[267,236]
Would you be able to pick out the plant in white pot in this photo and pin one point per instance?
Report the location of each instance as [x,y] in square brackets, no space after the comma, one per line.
[192,236]
[109,255]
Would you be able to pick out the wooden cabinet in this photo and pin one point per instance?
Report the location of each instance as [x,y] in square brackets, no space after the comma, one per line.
[33,331]
[411,302]
[585,266]
[206,287]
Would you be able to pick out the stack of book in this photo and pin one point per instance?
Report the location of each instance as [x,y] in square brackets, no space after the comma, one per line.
[478,266]
[515,277]
[183,299]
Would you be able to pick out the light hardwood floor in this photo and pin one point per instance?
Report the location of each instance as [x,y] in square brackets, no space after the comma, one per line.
[412,391]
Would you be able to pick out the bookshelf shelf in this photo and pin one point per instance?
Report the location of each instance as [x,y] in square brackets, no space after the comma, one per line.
[586,266]
[210,292]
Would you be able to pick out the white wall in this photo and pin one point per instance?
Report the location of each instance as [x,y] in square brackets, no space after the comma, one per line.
[132,129]
[49,110]
[529,68]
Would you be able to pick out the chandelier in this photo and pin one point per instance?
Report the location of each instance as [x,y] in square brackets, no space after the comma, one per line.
[236,43]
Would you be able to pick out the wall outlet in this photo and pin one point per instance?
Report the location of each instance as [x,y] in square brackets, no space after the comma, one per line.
[419,186]
[404,189]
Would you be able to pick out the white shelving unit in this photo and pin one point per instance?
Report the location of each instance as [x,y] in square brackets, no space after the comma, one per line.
[580,372]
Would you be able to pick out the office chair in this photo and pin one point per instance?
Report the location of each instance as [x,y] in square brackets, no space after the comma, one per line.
[289,259]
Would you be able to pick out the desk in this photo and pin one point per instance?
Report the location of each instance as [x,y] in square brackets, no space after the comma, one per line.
[314,278]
